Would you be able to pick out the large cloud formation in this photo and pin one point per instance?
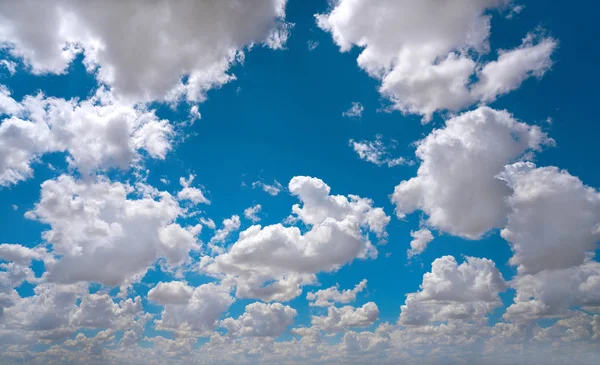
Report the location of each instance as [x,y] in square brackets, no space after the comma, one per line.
[457,184]
[273,262]
[96,134]
[142,49]
[425,53]
[104,235]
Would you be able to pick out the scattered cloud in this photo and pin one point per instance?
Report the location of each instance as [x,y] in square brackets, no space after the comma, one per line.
[377,152]
[355,111]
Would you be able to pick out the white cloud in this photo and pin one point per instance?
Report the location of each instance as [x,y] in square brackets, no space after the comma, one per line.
[98,133]
[454,292]
[192,194]
[16,270]
[261,320]
[425,55]
[341,319]
[377,152]
[142,48]
[100,311]
[456,184]
[421,239]
[271,189]
[513,67]
[251,213]
[103,235]
[229,226]
[312,44]
[173,292]
[10,66]
[553,229]
[199,315]
[273,262]
[355,110]
[554,218]
[330,296]
[551,293]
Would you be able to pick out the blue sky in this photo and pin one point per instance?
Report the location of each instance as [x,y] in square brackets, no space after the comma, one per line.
[107,248]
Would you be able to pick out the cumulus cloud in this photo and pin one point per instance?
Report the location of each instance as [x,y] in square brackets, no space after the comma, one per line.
[421,239]
[456,184]
[551,293]
[554,218]
[553,229]
[454,292]
[143,49]
[425,55]
[330,296]
[15,270]
[97,134]
[172,292]
[341,319]
[251,213]
[229,226]
[198,316]
[513,67]
[355,110]
[377,152]
[261,320]
[190,193]
[110,232]
[273,262]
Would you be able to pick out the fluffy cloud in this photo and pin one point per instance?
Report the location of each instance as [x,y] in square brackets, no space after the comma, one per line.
[454,292]
[190,193]
[198,316]
[16,270]
[499,77]
[425,55]
[341,319]
[554,218]
[456,183]
[229,226]
[273,262]
[173,292]
[330,296]
[421,239]
[100,311]
[377,152]
[261,320]
[251,213]
[103,235]
[551,293]
[143,49]
[553,229]
[99,133]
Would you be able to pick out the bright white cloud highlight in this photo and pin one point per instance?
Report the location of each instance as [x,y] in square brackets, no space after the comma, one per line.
[454,292]
[97,134]
[425,54]
[421,239]
[143,48]
[341,319]
[261,320]
[456,184]
[251,213]
[273,262]
[330,296]
[105,235]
